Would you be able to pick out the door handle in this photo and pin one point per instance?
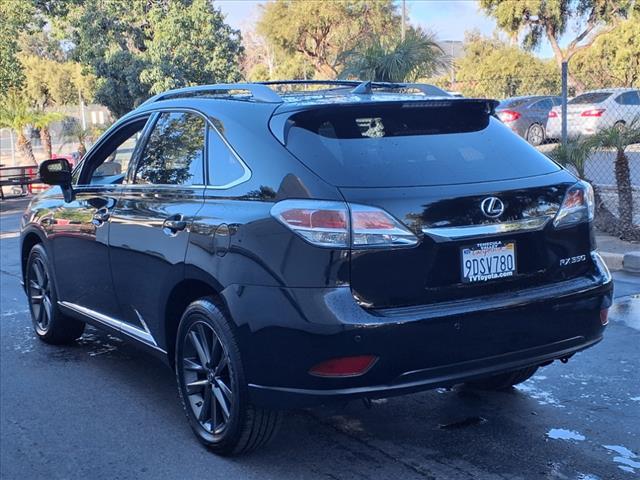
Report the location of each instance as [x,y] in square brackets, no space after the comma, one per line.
[174,224]
[101,216]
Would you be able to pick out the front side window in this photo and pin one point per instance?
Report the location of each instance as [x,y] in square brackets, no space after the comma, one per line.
[174,152]
[108,165]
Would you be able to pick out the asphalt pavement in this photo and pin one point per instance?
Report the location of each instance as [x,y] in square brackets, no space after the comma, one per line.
[101,409]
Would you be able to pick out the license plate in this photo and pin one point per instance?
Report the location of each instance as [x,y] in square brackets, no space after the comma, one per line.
[488,261]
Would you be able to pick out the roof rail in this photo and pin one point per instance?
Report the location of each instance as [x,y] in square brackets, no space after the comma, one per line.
[259,92]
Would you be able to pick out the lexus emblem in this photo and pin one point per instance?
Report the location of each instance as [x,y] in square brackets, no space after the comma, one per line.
[492,207]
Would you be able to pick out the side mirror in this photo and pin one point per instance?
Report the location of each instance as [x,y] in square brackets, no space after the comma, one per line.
[57,172]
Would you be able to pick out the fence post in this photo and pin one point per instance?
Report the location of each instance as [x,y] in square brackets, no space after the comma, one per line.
[564,101]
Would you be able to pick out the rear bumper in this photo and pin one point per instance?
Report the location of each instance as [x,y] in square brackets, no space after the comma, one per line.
[418,348]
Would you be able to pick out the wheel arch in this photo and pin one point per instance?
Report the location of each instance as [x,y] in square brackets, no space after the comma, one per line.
[29,240]
[185,292]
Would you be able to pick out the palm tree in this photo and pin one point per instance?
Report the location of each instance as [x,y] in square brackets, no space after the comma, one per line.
[42,123]
[620,138]
[418,55]
[16,114]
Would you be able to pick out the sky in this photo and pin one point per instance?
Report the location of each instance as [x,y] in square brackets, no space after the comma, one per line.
[448,19]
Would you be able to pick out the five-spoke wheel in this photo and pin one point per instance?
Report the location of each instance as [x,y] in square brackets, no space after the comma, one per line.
[49,323]
[212,383]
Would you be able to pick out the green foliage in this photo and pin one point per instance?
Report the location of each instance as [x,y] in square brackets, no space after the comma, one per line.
[15,16]
[492,68]
[574,154]
[50,83]
[534,20]
[418,55]
[318,32]
[613,60]
[191,45]
[139,47]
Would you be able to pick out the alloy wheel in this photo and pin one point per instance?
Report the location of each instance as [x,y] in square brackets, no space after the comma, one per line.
[536,135]
[40,295]
[207,378]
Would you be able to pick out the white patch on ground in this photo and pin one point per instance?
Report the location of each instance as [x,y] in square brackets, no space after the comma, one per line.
[562,434]
[587,476]
[11,313]
[541,396]
[635,399]
[628,460]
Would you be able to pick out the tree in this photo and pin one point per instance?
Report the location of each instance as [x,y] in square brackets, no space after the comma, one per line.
[142,46]
[16,115]
[191,45]
[320,32]
[550,19]
[620,138]
[417,55]
[15,16]
[613,60]
[42,122]
[492,68]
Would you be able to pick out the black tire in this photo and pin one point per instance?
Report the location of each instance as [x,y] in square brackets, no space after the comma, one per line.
[50,324]
[212,384]
[504,381]
[536,134]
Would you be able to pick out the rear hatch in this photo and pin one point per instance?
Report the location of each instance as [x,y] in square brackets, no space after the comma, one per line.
[480,200]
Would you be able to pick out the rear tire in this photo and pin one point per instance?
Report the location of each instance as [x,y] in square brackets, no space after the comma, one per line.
[212,385]
[50,325]
[536,134]
[503,381]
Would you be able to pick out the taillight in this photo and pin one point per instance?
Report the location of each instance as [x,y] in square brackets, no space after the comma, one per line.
[339,225]
[553,114]
[578,206]
[373,227]
[594,112]
[344,366]
[508,116]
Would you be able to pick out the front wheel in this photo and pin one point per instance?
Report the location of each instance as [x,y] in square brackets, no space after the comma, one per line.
[212,385]
[504,381]
[51,325]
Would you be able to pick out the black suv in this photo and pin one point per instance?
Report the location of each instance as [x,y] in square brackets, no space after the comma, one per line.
[282,246]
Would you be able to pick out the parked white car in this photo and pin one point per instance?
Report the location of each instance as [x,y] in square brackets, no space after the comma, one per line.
[592,111]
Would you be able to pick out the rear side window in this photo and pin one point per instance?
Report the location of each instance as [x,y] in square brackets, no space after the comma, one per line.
[174,152]
[225,169]
[594,97]
[628,98]
[396,146]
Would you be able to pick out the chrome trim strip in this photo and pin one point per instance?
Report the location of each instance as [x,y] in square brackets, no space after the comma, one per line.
[447,234]
[128,329]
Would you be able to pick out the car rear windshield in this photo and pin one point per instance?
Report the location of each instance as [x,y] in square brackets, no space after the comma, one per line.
[410,145]
[513,103]
[594,97]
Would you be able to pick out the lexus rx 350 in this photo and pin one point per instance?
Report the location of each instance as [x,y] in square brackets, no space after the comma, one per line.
[324,244]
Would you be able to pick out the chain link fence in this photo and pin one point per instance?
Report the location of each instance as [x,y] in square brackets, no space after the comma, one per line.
[600,139]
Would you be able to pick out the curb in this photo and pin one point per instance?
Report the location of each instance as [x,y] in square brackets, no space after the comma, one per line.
[614,261]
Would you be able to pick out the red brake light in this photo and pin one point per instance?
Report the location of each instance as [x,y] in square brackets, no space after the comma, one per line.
[341,225]
[594,112]
[508,116]
[344,366]
[553,114]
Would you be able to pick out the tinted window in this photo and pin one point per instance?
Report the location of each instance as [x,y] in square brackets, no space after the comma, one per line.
[628,98]
[594,97]
[513,102]
[543,104]
[224,166]
[109,164]
[381,146]
[174,152]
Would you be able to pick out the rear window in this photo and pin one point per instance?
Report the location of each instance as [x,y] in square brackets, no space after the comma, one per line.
[407,145]
[595,97]
[513,103]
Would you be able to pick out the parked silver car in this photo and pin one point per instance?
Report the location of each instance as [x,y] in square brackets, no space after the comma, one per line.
[527,116]
[592,111]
